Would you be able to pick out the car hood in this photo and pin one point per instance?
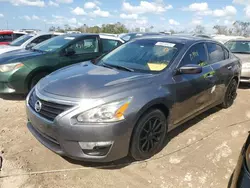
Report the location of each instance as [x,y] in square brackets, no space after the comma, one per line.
[7,48]
[18,56]
[86,80]
[245,58]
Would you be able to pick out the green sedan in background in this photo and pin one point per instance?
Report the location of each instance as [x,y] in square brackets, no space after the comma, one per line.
[21,70]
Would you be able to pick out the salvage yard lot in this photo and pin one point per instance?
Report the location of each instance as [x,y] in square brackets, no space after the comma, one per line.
[200,153]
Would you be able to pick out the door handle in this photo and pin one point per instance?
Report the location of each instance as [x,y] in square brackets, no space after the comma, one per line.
[209,76]
[229,67]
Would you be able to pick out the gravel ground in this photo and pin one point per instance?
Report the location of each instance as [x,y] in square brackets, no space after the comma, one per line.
[201,153]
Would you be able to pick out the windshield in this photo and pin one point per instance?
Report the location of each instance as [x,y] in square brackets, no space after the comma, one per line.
[53,44]
[238,46]
[19,41]
[142,55]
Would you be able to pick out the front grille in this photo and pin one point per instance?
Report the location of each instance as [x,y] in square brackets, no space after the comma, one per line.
[49,110]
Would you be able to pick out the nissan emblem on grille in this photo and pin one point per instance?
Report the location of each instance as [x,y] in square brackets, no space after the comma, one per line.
[38,106]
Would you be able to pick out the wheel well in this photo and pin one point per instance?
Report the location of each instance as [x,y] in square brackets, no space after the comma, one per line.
[159,106]
[236,78]
[35,74]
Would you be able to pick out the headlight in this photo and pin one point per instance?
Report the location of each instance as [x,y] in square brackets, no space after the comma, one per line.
[10,67]
[110,112]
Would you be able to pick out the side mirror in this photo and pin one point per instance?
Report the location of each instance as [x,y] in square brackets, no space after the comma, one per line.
[69,52]
[31,45]
[190,69]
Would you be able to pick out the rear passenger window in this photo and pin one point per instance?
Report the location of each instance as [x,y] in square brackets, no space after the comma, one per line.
[195,55]
[89,45]
[41,39]
[215,52]
[108,44]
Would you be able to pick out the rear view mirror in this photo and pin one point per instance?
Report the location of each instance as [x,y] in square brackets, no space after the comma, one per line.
[190,69]
[69,52]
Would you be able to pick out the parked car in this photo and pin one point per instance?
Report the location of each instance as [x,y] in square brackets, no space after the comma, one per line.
[241,49]
[21,70]
[224,38]
[27,41]
[241,175]
[7,36]
[192,35]
[132,97]
[17,34]
[129,36]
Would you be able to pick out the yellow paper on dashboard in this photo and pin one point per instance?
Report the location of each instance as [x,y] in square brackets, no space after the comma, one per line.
[157,66]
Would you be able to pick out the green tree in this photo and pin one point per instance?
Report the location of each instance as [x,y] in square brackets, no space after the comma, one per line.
[199,29]
[242,28]
[221,30]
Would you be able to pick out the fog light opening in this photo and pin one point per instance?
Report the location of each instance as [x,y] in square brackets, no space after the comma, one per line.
[96,148]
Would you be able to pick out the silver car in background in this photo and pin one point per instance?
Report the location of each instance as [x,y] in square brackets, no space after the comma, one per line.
[27,41]
[241,48]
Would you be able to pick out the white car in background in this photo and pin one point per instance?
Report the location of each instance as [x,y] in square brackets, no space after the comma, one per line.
[224,38]
[27,41]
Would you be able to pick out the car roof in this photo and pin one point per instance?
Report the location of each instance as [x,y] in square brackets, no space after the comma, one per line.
[176,39]
[104,36]
[156,33]
[77,35]
[80,34]
[241,39]
[6,32]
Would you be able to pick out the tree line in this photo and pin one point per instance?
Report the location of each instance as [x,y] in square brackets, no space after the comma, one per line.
[116,28]
[238,28]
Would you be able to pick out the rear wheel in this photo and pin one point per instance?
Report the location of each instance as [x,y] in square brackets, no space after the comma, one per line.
[149,135]
[230,94]
[36,79]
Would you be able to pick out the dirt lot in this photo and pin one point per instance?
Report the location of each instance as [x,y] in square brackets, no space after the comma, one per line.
[201,153]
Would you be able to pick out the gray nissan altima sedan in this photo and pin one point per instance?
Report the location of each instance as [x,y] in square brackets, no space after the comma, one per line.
[131,98]
[241,49]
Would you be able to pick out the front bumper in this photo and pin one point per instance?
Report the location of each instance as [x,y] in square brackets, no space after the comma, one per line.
[241,176]
[14,81]
[245,75]
[64,139]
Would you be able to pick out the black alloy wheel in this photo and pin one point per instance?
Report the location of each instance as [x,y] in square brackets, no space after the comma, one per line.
[149,135]
[231,94]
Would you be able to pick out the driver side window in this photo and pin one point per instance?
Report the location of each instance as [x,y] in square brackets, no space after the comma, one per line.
[84,46]
[195,55]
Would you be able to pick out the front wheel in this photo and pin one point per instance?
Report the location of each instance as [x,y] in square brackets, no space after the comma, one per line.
[230,94]
[149,135]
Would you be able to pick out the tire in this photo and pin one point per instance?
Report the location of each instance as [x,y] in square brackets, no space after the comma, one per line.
[230,94]
[149,135]
[36,79]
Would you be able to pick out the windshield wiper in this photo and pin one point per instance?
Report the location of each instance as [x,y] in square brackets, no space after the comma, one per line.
[118,67]
[107,65]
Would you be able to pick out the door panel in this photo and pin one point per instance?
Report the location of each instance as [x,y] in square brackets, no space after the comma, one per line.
[223,69]
[85,49]
[192,91]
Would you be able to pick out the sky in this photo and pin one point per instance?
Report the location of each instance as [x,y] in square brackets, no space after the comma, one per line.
[161,14]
